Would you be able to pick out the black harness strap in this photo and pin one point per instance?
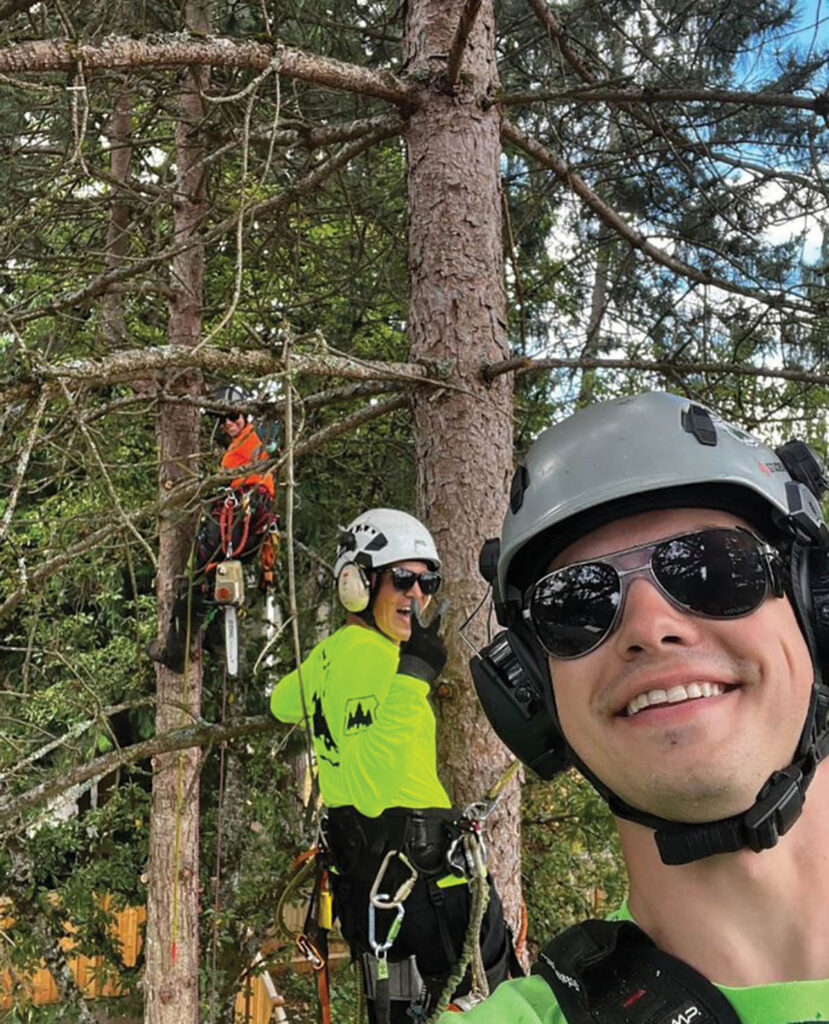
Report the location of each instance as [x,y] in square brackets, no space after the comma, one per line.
[437,898]
[610,972]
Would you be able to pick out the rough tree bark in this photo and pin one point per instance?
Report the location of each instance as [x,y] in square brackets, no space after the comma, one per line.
[172,973]
[112,303]
[458,312]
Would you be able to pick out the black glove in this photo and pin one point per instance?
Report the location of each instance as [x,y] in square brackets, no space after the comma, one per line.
[423,655]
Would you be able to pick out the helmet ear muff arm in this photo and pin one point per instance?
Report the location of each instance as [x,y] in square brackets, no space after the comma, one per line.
[513,685]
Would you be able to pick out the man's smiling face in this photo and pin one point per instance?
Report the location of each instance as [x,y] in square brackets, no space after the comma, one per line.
[683,716]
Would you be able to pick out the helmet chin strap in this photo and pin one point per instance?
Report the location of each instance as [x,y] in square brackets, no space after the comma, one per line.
[777,807]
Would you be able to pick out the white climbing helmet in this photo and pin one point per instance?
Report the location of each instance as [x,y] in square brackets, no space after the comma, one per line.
[382,536]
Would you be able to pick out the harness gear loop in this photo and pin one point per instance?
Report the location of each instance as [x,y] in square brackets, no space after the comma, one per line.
[226,517]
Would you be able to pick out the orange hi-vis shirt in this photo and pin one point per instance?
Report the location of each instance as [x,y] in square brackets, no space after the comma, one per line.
[246,449]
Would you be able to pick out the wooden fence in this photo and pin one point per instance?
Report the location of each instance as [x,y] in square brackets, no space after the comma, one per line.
[257,1003]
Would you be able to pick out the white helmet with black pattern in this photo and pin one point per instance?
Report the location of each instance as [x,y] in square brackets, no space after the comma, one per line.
[378,537]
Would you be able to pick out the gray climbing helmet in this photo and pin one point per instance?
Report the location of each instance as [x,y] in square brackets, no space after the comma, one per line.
[654,450]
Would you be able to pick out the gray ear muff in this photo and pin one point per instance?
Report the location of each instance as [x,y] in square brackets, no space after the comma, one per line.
[353,588]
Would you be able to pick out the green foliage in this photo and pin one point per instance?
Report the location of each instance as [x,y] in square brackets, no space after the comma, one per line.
[572,865]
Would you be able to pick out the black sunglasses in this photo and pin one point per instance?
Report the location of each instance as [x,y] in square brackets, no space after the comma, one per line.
[717,574]
[405,579]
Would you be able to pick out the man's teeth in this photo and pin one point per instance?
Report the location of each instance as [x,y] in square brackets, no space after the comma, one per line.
[673,696]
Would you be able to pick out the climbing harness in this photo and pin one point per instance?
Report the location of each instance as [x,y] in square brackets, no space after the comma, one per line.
[610,972]
[241,519]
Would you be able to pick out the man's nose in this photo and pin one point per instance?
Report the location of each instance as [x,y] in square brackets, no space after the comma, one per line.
[650,621]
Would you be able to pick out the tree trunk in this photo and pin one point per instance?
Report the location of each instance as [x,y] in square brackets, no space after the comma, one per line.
[458,312]
[112,304]
[172,972]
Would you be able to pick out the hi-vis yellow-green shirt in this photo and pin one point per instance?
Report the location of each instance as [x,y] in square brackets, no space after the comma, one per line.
[373,729]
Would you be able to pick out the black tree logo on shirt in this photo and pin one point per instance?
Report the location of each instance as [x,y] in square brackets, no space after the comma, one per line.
[360,713]
[321,730]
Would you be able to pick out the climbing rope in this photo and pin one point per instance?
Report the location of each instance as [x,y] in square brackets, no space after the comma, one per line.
[471,950]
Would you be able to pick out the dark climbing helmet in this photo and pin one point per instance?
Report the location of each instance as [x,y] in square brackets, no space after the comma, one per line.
[229,400]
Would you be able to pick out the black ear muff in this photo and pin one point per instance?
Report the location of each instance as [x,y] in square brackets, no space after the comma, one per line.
[510,679]
[809,583]
[818,596]
[353,588]
[809,572]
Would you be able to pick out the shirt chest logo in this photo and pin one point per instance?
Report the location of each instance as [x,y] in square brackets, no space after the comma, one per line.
[360,713]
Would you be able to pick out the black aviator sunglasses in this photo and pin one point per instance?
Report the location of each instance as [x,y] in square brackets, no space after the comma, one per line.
[405,579]
[717,573]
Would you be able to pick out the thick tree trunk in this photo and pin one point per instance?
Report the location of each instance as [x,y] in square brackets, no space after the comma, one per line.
[172,972]
[458,312]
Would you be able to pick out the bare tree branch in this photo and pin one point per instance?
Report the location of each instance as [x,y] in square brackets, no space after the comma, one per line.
[133,364]
[173,51]
[315,137]
[74,733]
[559,37]
[357,419]
[199,735]
[343,394]
[636,240]
[524,364]
[22,466]
[613,94]
[456,51]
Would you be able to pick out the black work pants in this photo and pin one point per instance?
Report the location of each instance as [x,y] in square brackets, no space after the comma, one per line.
[433,931]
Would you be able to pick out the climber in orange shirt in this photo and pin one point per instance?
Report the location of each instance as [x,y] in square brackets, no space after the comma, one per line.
[238,522]
[245,449]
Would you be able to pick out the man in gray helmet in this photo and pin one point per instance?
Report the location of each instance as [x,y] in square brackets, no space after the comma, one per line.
[663,581]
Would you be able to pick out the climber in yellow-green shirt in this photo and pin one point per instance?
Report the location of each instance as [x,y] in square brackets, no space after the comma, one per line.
[366,692]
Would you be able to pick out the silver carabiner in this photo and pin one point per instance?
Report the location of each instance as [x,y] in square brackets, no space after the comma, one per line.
[382,900]
[381,948]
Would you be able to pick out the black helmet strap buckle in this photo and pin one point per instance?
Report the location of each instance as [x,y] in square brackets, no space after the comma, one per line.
[778,807]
